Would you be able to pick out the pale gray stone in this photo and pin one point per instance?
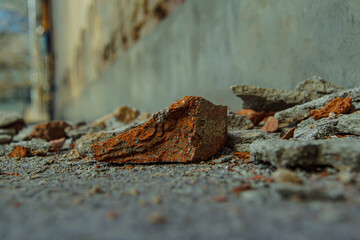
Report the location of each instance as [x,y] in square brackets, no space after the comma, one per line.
[318,85]
[349,124]
[240,140]
[309,153]
[33,144]
[238,122]
[7,118]
[320,129]
[264,99]
[4,138]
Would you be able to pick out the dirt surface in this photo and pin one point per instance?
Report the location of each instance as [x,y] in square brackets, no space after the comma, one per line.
[62,197]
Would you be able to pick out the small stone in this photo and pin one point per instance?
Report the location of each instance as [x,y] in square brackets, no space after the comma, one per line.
[245,112]
[336,106]
[282,175]
[57,144]
[156,218]
[259,117]
[123,114]
[50,130]
[289,134]
[238,122]
[219,198]
[156,200]
[111,214]
[4,138]
[78,200]
[349,124]
[11,120]
[241,188]
[242,155]
[133,192]
[271,125]
[96,190]
[191,130]
[19,151]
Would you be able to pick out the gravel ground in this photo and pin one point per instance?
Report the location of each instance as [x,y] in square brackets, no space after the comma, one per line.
[62,197]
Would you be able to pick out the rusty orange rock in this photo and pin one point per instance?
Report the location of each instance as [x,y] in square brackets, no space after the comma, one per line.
[56,144]
[245,112]
[337,106]
[191,129]
[50,130]
[271,125]
[19,151]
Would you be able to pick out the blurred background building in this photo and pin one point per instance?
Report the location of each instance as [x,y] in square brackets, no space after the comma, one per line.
[81,59]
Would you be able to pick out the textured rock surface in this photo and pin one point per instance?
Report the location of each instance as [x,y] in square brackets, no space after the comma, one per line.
[327,127]
[50,130]
[123,114]
[310,153]
[192,129]
[302,111]
[240,140]
[318,85]
[349,124]
[264,99]
[238,122]
[336,106]
[11,120]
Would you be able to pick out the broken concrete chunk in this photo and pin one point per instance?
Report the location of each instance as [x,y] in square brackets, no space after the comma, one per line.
[264,99]
[6,135]
[349,124]
[192,129]
[299,153]
[302,111]
[50,130]
[238,122]
[11,120]
[35,147]
[240,141]
[320,129]
[283,175]
[318,85]
[335,107]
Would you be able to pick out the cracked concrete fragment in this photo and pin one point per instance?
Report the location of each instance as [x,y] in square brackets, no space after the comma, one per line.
[302,111]
[238,122]
[240,140]
[299,153]
[320,129]
[264,99]
[191,130]
[349,124]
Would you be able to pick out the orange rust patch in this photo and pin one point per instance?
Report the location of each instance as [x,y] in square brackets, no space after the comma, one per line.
[19,151]
[337,106]
[241,188]
[242,155]
[192,129]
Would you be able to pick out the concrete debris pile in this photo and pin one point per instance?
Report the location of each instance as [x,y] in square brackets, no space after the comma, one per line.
[316,124]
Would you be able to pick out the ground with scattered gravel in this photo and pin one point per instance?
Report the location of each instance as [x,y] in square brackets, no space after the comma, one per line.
[60,196]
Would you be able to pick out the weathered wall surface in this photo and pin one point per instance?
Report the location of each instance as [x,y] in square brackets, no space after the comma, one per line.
[208,45]
[91,34]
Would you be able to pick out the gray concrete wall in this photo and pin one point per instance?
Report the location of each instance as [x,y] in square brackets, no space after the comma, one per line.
[208,45]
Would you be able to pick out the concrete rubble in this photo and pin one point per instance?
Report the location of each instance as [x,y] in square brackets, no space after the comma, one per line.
[309,152]
[263,99]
